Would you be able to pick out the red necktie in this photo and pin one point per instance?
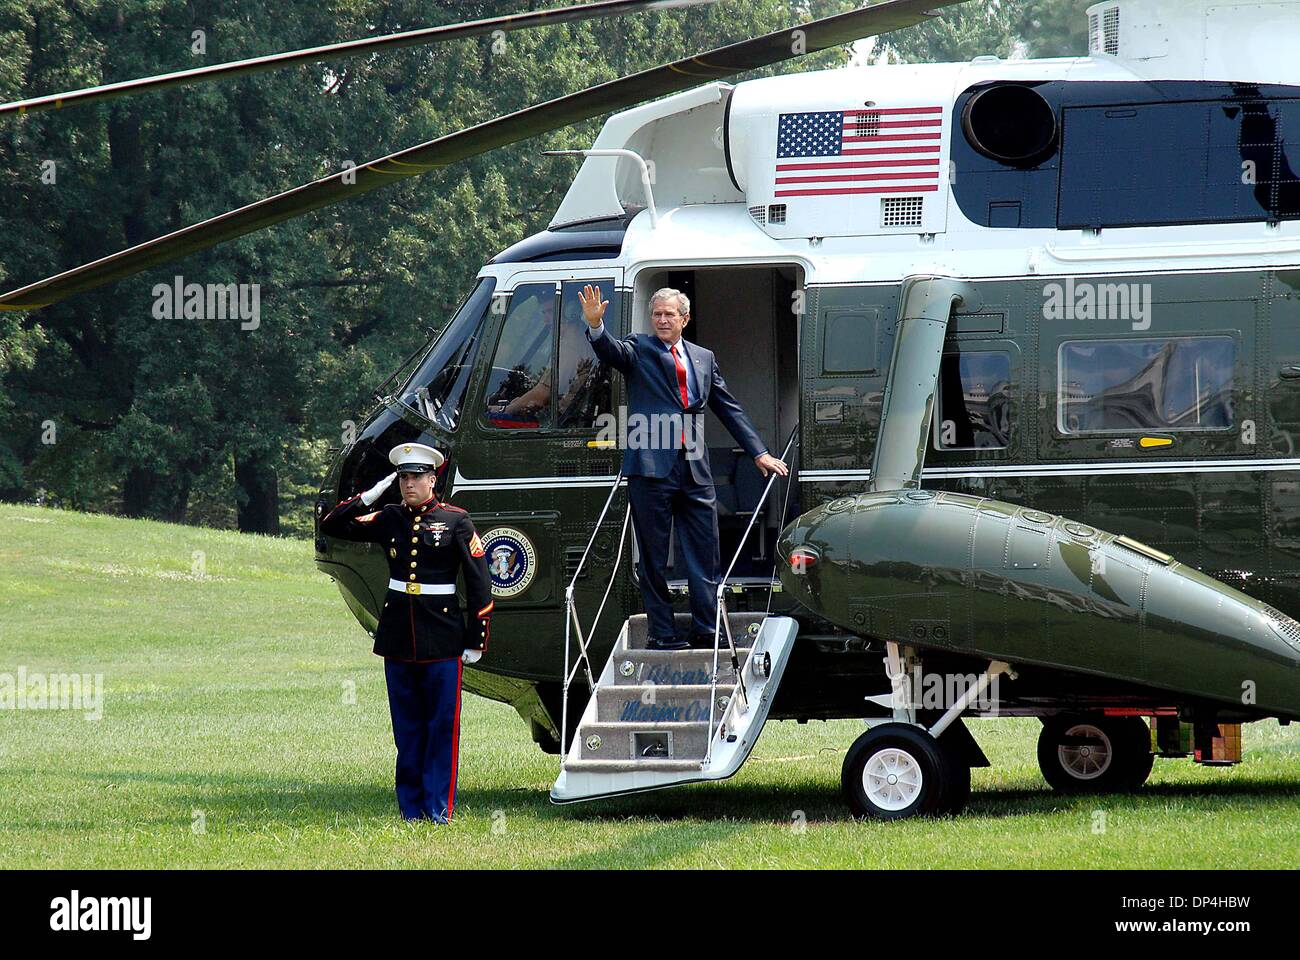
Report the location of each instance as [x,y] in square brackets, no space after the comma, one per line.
[681,376]
[681,384]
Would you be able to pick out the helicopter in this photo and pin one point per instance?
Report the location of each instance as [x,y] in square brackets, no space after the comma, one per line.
[1022,328]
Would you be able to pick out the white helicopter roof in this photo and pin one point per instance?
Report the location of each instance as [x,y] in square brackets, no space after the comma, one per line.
[762,143]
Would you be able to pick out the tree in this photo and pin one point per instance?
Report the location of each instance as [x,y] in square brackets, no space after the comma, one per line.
[1004,28]
[209,419]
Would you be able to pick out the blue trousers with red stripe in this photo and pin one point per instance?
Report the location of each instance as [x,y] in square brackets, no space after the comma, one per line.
[424,700]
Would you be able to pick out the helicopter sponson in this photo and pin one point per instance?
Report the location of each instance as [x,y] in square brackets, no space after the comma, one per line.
[961,573]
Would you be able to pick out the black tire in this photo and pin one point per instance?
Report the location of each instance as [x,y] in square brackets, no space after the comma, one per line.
[956,786]
[1094,754]
[544,739]
[952,746]
[1140,759]
[914,757]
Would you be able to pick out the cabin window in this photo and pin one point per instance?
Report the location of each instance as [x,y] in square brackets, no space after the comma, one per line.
[518,389]
[583,383]
[1169,163]
[1170,384]
[851,341]
[974,401]
[437,389]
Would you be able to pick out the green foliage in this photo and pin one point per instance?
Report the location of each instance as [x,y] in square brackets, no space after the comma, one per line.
[156,416]
[18,350]
[1003,28]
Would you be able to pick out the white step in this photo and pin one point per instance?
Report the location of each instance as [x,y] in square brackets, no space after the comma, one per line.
[644,741]
[670,667]
[638,733]
[656,704]
[637,630]
[632,767]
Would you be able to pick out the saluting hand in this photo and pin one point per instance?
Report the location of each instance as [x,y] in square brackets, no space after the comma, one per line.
[377,491]
[593,308]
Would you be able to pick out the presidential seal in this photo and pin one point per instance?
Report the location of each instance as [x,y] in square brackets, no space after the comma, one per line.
[512,561]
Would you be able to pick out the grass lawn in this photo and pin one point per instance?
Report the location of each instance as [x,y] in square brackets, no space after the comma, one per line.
[244,724]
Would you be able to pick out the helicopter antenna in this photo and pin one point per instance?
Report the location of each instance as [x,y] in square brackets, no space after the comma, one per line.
[337,51]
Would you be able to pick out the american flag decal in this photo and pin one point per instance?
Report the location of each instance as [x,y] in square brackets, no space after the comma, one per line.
[840,152]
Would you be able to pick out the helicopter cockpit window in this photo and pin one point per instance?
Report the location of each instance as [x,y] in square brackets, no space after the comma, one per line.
[1119,386]
[519,388]
[437,389]
[584,381]
[974,402]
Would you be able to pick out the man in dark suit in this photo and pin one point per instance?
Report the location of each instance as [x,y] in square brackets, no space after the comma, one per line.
[669,383]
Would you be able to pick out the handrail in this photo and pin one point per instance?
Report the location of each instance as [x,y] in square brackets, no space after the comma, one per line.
[595,531]
[571,620]
[720,618]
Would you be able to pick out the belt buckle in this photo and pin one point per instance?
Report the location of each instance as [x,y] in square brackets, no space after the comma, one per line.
[413,588]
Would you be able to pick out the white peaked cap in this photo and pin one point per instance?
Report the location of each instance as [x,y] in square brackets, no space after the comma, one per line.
[415,458]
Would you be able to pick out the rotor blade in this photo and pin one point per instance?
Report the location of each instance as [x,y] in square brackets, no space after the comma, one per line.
[335,51]
[511,128]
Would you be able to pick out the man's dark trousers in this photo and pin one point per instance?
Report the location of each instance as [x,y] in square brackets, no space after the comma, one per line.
[658,504]
[424,700]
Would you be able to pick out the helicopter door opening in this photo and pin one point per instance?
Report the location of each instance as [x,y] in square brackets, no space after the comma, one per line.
[744,315]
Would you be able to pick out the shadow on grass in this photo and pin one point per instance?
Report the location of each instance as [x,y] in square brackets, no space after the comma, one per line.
[254,802]
[1018,801]
[647,849]
[251,801]
[761,804]
[715,801]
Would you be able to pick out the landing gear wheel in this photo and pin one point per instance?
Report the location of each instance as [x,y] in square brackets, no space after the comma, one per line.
[1095,754]
[895,771]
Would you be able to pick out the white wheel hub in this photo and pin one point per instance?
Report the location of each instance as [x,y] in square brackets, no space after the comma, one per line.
[892,779]
[1086,761]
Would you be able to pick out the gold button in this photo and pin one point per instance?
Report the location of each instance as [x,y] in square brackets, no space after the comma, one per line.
[413,563]
[415,539]
[412,576]
[444,609]
[413,553]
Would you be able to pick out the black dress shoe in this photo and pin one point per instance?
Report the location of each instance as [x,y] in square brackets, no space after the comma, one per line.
[704,641]
[666,643]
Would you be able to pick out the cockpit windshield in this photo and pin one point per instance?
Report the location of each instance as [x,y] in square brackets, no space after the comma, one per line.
[437,388]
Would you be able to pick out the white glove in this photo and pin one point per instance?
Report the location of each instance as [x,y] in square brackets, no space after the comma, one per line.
[471,656]
[377,491]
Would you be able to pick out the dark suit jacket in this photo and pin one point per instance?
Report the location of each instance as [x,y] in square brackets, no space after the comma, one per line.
[652,389]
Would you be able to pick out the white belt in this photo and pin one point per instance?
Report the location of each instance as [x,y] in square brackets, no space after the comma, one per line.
[401,587]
